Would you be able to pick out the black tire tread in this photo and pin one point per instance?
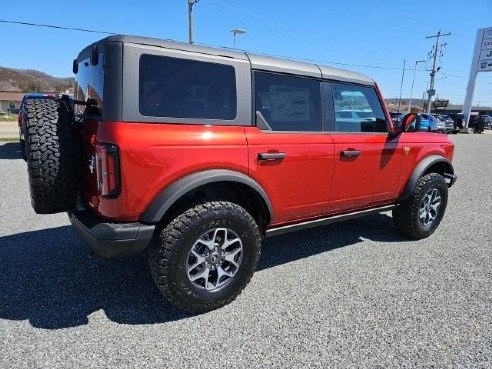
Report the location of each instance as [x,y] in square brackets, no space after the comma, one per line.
[161,256]
[51,154]
[405,216]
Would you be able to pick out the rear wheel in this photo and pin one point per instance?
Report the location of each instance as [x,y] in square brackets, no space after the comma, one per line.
[421,213]
[205,257]
[51,153]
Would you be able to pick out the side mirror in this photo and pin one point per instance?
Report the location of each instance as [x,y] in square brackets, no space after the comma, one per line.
[411,123]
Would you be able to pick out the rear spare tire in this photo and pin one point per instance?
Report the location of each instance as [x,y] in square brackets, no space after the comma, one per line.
[51,153]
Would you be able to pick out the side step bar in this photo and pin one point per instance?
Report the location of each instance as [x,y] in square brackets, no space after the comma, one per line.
[325,221]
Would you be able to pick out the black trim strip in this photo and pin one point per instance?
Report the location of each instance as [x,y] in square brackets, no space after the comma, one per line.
[325,221]
[420,169]
[181,187]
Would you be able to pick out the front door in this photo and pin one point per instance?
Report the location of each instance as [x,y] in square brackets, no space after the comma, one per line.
[368,158]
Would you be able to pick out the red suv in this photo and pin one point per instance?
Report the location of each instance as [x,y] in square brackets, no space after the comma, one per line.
[202,152]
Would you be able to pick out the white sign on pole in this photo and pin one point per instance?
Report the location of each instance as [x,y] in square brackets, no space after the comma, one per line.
[485,65]
[485,54]
[485,58]
[482,62]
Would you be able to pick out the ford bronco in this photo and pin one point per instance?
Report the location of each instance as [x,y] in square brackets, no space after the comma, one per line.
[200,153]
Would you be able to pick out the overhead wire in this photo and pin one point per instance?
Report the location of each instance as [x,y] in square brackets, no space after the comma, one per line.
[288,32]
[203,44]
[463,77]
[32,24]
[55,27]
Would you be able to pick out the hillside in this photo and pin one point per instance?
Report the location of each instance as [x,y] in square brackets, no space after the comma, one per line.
[17,80]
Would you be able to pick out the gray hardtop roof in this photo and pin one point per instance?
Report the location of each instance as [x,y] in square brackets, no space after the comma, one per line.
[262,62]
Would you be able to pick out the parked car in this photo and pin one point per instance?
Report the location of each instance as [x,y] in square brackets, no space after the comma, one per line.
[169,155]
[446,118]
[487,121]
[441,123]
[449,122]
[458,121]
[428,125]
[22,117]
[431,123]
[479,123]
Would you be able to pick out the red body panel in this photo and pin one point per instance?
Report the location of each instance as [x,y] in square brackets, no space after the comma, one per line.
[152,156]
[312,181]
[420,145]
[370,178]
[298,186]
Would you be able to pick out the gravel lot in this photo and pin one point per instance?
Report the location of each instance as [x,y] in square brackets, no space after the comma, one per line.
[352,294]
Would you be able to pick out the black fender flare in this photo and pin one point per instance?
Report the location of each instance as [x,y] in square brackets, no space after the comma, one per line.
[422,167]
[164,200]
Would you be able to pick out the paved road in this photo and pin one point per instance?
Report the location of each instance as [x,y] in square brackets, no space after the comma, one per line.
[346,295]
[8,129]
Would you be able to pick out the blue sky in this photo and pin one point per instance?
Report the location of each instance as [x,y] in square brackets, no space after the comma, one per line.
[360,33]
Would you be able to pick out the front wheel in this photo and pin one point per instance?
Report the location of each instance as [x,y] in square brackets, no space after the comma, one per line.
[205,257]
[421,213]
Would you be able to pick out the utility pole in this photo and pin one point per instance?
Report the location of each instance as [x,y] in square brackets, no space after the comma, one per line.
[401,84]
[190,19]
[431,92]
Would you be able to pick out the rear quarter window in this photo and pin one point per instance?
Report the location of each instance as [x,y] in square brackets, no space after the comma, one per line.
[89,83]
[183,88]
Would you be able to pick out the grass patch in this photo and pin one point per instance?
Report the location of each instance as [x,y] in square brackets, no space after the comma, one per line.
[8,118]
[9,139]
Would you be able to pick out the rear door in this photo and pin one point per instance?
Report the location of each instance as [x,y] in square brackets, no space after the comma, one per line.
[289,155]
[367,158]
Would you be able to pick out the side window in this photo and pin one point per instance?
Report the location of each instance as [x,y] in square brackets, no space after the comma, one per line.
[183,88]
[287,103]
[357,109]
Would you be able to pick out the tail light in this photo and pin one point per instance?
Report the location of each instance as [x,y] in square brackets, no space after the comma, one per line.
[108,170]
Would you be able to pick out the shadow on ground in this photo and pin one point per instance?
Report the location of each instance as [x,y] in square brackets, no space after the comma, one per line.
[10,150]
[47,277]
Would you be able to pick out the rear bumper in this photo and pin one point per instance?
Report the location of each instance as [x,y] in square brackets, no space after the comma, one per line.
[111,240]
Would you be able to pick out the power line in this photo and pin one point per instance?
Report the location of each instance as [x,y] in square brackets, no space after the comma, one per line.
[279,56]
[462,77]
[203,44]
[286,31]
[55,27]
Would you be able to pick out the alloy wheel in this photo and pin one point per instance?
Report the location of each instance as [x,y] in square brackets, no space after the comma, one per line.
[429,207]
[214,259]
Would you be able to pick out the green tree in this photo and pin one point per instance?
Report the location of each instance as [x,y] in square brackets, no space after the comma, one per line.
[32,86]
[60,88]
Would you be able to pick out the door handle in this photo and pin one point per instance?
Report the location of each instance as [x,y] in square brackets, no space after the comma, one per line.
[271,156]
[350,153]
